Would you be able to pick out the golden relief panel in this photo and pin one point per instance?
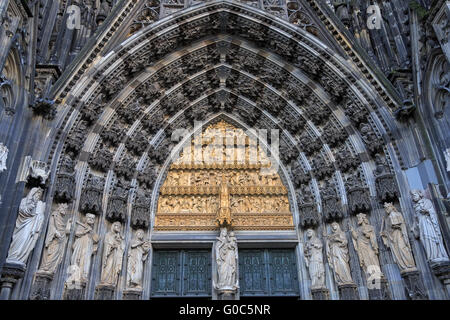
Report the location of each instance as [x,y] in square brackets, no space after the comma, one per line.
[223,178]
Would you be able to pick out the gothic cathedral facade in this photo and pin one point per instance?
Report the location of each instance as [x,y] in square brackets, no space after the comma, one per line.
[224,149]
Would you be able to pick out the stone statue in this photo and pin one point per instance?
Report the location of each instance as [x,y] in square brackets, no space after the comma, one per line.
[337,254]
[136,258]
[226,257]
[314,260]
[56,240]
[28,226]
[395,237]
[112,255]
[84,246]
[365,243]
[3,157]
[428,228]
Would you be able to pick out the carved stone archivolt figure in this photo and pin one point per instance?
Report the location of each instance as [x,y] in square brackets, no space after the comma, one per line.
[314,260]
[136,257]
[28,227]
[226,258]
[84,246]
[365,243]
[428,227]
[112,255]
[337,254]
[55,242]
[395,237]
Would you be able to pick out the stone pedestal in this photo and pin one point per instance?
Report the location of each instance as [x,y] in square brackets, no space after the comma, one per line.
[226,294]
[74,291]
[41,286]
[132,294]
[348,291]
[11,273]
[414,287]
[104,292]
[442,271]
[380,290]
[320,294]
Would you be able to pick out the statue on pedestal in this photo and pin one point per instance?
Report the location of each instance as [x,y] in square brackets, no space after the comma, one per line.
[56,240]
[427,228]
[28,227]
[314,260]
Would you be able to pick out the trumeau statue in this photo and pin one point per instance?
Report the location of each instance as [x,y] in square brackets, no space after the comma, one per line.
[28,226]
[56,240]
[428,228]
[226,257]
[365,243]
[337,254]
[112,255]
[314,260]
[395,237]
[136,257]
[3,157]
[84,246]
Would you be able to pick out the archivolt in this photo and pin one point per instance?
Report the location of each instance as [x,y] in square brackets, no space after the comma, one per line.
[299,78]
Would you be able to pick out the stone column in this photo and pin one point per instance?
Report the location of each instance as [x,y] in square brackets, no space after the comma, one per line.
[11,273]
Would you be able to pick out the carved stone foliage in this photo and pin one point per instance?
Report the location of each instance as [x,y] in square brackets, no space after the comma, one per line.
[117,203]
[102,159]
[126,167]
[272,103]
[371,140]
[345,160]
[147,177]
[173,103]
[316,111]
[249,113]
[288,152]
[111,87]
[309,216]
[355,112]
[357,195]
[75,140]
[91,196]
[65,181]
[296,91]
[149,91]
[130,112]
[331,205]
[91,112]
[321,168]
[291,122]
[153,123]
[112,136]
[140,215]
[308,144]
[333,86]
[137,143]
[387,188]
[38,173]
[160,153]
[333,135]
[300,176]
